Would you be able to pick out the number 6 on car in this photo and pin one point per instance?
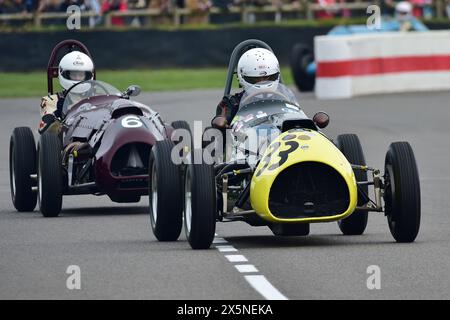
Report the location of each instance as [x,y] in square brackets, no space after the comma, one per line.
[100,144]
[131,122]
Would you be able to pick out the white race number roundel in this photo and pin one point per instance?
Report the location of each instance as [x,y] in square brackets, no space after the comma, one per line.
[131,122]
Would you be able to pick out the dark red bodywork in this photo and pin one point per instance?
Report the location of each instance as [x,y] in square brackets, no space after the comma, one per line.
[101,126]
[97,122]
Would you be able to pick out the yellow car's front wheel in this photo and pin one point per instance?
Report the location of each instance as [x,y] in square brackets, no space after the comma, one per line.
[350,146]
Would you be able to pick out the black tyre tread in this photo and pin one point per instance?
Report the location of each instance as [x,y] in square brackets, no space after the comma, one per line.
[407,188]
[52,182]
[350,146]
[181,124]
[23,144]
[203,194]
[303,81]
[169,217]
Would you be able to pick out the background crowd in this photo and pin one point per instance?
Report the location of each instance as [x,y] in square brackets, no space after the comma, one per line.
[422,8]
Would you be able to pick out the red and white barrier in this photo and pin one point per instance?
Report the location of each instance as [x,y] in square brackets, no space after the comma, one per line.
[356,65]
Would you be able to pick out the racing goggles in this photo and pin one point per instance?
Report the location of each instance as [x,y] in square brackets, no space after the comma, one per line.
[76,75]
[254,80]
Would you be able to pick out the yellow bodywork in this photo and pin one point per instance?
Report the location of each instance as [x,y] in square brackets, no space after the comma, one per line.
[292,147]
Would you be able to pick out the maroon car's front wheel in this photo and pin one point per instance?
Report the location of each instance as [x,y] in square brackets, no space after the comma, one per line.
[49,175]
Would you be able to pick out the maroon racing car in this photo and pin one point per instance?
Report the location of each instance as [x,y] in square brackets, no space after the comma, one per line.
[100,145]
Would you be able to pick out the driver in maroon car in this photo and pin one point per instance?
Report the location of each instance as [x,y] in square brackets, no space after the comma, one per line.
[257,68]
[74,67]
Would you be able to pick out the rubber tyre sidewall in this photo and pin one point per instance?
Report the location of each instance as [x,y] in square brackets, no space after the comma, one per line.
[168,224]
[203,205]
[22,150]
[404,212]
[350,146]
[50,171]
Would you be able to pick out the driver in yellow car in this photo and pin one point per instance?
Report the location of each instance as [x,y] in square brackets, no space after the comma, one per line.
[74,67]
[257,68]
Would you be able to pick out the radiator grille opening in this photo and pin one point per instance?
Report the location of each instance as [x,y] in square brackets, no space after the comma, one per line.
[131,160]
[308,189]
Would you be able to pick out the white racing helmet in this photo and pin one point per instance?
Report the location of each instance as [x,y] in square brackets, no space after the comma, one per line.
[75,67]
[258,68]
[403,11]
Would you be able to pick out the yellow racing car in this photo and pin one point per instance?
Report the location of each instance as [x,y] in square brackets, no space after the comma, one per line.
[281,171]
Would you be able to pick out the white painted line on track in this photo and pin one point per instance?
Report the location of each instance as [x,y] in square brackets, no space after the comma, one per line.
[264,287]
[256,281]
[219,240]
[226,248]
[236,258]
[246,268]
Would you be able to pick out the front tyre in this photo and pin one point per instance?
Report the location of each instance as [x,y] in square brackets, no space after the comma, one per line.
[165,193]
[402,192]
[50,180]
[199,204]
[350,146]
[22,164]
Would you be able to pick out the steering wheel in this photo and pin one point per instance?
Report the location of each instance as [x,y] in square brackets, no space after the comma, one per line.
[265,95]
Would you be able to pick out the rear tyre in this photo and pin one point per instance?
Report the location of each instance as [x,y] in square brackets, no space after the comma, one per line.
[350,146]
[186,145]
[213,144]
[284,229]
[181,124]
[200,209]
[50,179]
[402,192]
[301,56]
[22,164]
[165,193]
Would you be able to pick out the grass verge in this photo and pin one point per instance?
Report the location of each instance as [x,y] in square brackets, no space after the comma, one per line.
[34,84]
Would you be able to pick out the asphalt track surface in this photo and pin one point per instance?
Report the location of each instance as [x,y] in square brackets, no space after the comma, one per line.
[120,258]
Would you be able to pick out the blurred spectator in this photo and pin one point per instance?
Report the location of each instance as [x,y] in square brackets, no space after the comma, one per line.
[328,11]
[165,6]
[31,5]
[255,3]
[12,6]
[137,4]
[422,8]
[387,7]
[345,12]
[199,9]
[115,5]
[222,4]
[67,3]
[94,6]
[251,17]
[49,6]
